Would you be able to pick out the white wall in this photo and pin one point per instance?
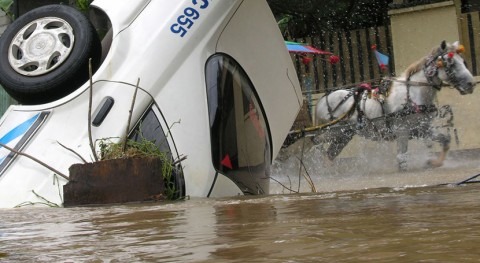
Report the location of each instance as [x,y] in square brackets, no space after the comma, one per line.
[416,30]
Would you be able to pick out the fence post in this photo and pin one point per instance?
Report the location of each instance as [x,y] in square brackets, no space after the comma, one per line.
[458,7]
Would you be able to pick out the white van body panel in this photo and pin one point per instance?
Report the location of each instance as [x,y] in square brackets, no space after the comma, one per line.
[170,70]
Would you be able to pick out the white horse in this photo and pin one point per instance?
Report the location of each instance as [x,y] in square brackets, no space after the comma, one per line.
[400,109]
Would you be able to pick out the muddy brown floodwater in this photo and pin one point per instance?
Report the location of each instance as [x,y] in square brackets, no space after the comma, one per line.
[426,224]
[357,215]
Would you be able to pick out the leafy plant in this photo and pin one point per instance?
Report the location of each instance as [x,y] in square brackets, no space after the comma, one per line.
[114,150]
[5,7]
[82,5]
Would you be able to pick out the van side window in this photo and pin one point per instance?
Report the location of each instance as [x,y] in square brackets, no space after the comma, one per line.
[149,128]
[239,132]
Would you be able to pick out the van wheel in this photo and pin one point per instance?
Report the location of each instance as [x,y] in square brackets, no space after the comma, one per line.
[44,54]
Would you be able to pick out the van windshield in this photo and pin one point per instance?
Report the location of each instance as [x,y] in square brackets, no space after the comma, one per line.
[238,129]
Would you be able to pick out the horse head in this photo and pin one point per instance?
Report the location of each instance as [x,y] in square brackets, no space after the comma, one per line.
[446,64]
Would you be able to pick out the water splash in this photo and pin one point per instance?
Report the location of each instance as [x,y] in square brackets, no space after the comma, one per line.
[365,165]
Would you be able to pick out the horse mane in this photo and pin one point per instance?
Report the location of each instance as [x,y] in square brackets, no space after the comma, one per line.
[415,67]
[418,65]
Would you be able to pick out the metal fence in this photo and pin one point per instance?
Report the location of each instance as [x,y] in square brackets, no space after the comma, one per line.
[357,60]
[470,33]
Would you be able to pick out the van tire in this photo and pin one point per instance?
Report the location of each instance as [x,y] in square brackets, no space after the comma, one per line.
[44,54]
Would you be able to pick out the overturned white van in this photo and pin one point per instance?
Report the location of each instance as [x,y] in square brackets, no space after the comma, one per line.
[216,88]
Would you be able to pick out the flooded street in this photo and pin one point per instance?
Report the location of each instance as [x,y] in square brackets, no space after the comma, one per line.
[439,224]
[384,224]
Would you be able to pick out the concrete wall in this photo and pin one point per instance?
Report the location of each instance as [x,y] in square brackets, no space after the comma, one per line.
[465,109]
[416,30]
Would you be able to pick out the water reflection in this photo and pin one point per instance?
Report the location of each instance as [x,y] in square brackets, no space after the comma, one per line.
[388,225]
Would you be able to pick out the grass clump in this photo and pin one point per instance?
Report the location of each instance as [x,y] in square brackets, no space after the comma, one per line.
[118,150]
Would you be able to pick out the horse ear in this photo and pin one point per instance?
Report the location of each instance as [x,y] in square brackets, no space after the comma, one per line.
[443,45]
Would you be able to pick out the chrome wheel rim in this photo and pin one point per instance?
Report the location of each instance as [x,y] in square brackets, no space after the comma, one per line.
[41,46]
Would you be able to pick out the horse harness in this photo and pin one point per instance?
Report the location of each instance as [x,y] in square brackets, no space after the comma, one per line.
[430,69]
[361,92]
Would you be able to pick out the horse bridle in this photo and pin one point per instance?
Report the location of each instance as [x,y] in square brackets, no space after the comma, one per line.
[431,67]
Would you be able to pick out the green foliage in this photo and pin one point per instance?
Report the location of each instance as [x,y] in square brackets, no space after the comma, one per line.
[5,4]
[144,148]
[283,22]
[82,5]
[5,7]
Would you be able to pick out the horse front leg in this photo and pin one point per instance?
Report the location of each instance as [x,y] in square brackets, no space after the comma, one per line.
[337,144]
[444,140]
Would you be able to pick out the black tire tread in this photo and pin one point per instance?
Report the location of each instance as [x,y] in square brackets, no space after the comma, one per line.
[67,77]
